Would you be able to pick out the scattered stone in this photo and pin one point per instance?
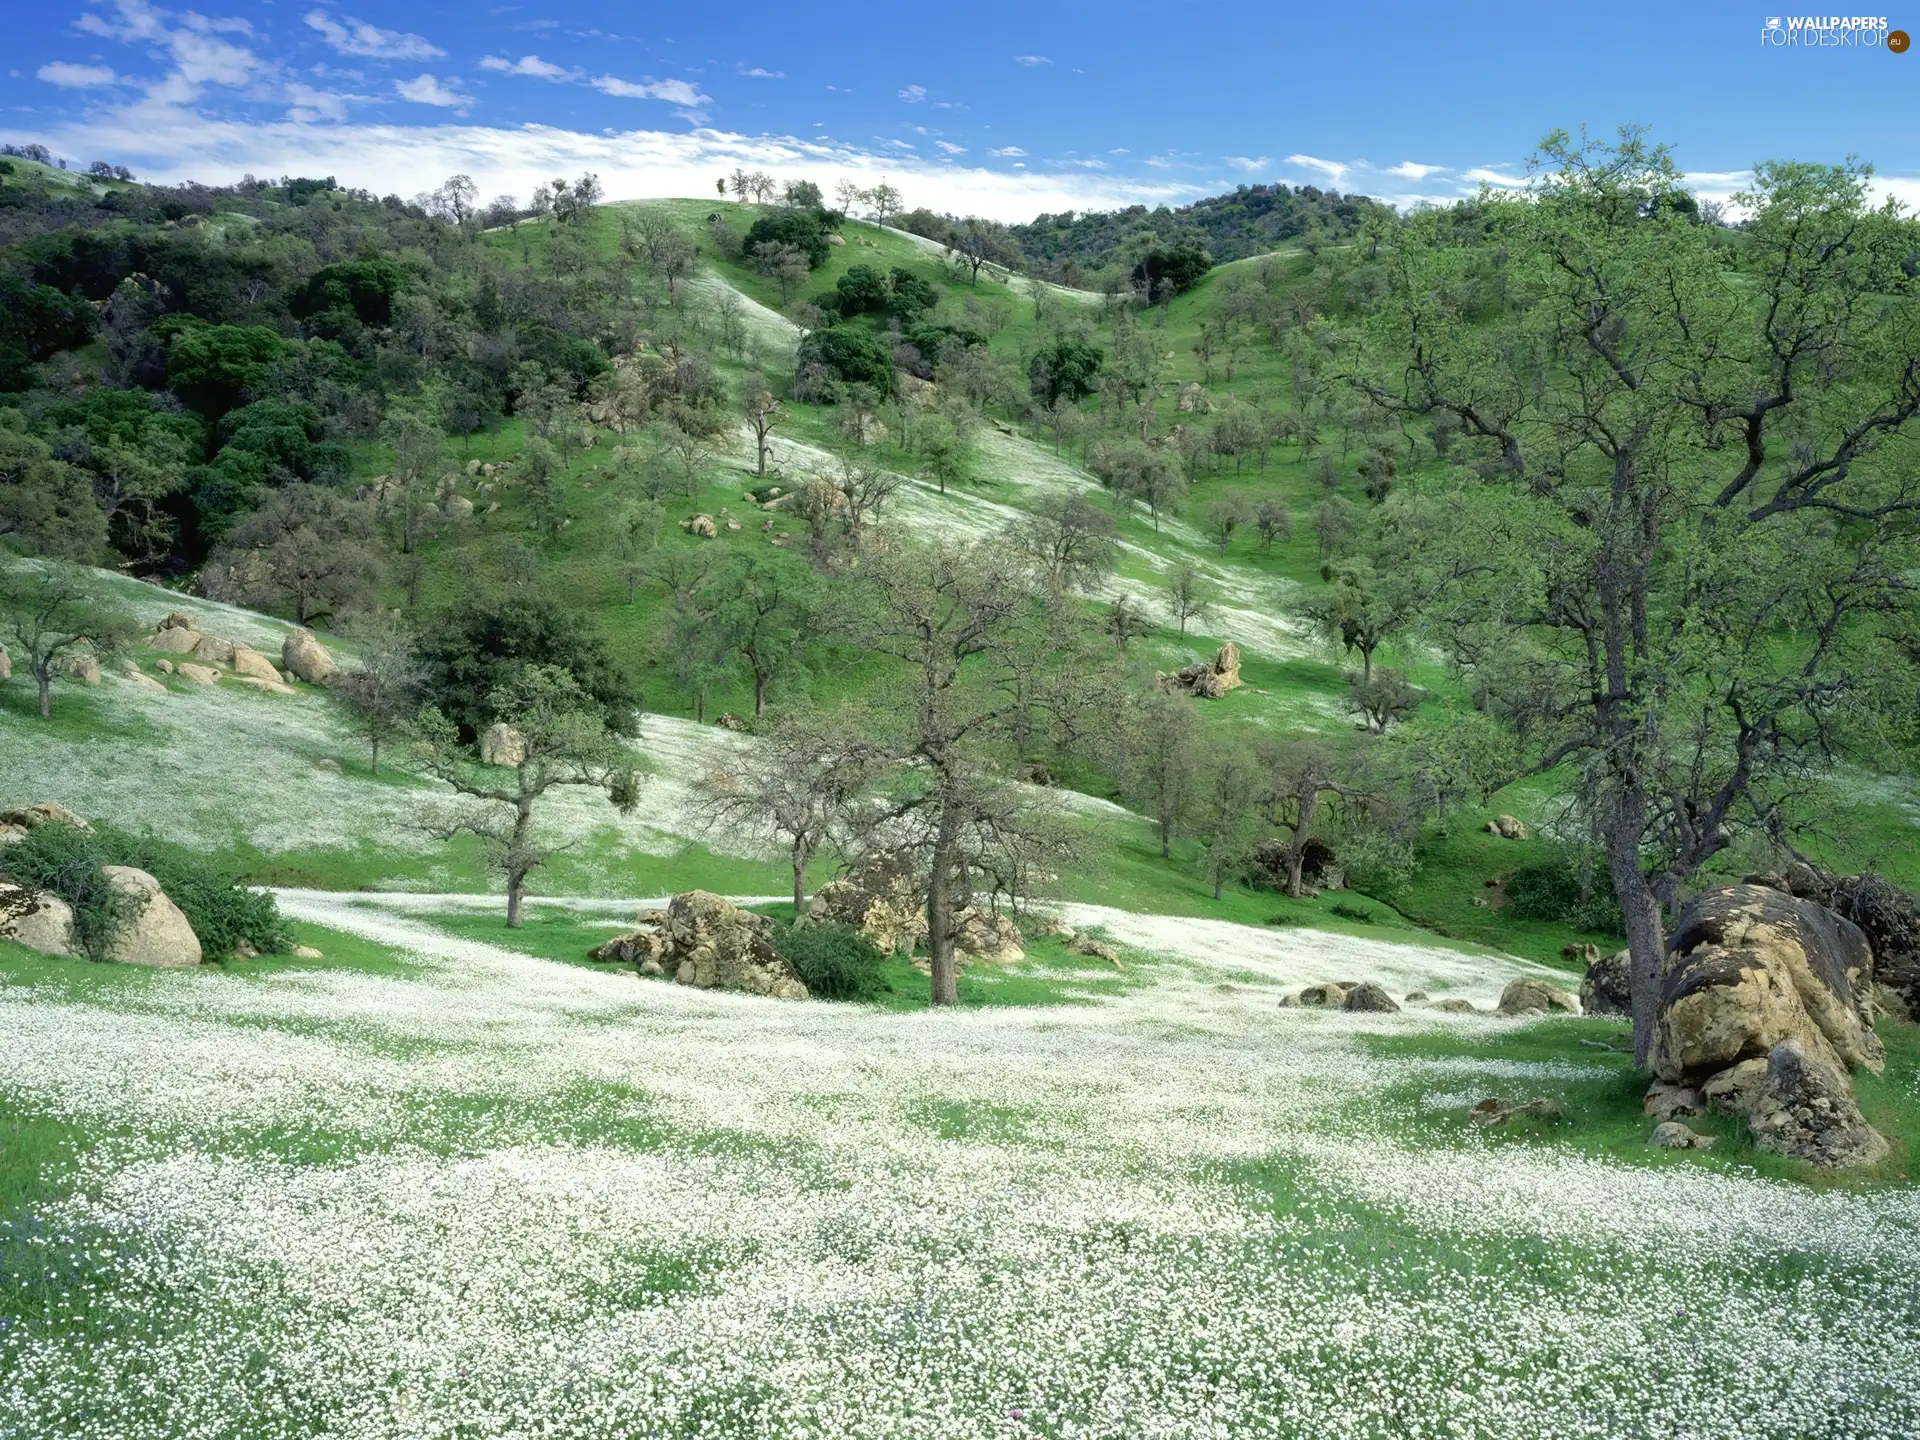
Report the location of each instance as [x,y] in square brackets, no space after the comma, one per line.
[32,817]
[1508,827]
[307,658]
[165,667]
[701,525]
[714,945]
[200,674]
[213,650]
[1495,1111]
[1672,1135]
[1606,989]
[1369,997]
[1194,399]
[1805,1110]
[159,935]
[1535,997]
[1325,996]
[306,952]
[1669,1102]
[1207,680]
[36,919]
[256,666]
[1416,997]
[501,744]
[1456,1007]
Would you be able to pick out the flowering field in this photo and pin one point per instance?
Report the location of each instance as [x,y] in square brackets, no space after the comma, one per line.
[436,1188]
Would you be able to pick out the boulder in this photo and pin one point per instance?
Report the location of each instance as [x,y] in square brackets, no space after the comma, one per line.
[1605,990]
[1805,1110]
[1325,996]
[1495,1111]
[880,896]
[1207,680]
[1415,997]
[175,641]
[1890,919]
[1670,1102]
[213,650]
[36,919]
[636,947]
[701,525]
[141,681]
[1748,968]
[1194,399]
[165,667]
[178,620]
[6,664]
[85,669]
[1368,996]
[200,674]
[1535,997]
[254,665]
[1735,1089]
[714,945]
[275,686]
[159,934]
[501,744]
[986,936]
[307,658]
[1672,1135]
[1456,1007]
[1096,949]
[1507,827]
[32,817]
[458,507]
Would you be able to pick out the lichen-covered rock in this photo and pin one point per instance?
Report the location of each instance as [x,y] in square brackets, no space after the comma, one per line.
[175,639]
[1890,919]
[32,817]
[715,945]
[880,896]
[1670,1102]
[1527,996]
[1805,1110]
[1750,967]
[1607,988]
[1672,1135]
[213,650]
[158,934]
[200,674]
[984,936]
[1324,996]
[636,947]
[307,658]
[1368,996]
[1735,1089]
[1207,680]
[501,744]
[36,919]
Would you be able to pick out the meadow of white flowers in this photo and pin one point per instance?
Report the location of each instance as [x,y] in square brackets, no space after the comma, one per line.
[495,1196]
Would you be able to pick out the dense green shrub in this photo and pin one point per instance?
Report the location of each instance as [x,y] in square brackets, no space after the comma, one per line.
[801,229]
[1569,885]
[1066,367]
[846,355]
[66,860]
[836,962]
[485,640]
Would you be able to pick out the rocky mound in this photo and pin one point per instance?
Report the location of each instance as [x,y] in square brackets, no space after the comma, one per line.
[1208,680]
[706,941]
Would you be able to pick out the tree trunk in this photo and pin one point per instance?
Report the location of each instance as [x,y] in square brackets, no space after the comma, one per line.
[1219,886]
[1646,931]
[1166,837]
[44,679]
[759,694]
[516,885]
[1296,859]
[375,742]
[945,977]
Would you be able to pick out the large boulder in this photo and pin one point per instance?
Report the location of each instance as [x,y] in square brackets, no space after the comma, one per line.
[712,944]
[1805,1110]
[1607,988]
[36,919]
[254,665]
[1207,680]
[501,744]
[177,635]
[1370,997]
[84,668]
[985,936]
[880,896]
[307,658]
[1890,919]
[1508,827]
[32,817]
[1527,996]
[158,934]
[6,664]
[1750,967]
[214,651]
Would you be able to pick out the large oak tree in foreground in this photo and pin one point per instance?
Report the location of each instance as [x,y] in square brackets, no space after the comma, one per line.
[1684,560]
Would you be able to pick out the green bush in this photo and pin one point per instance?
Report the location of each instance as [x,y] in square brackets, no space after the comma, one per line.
[848,355]
[1566,884]
[66,861]
[836,962]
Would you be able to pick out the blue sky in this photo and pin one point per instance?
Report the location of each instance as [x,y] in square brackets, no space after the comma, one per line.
[1004,109]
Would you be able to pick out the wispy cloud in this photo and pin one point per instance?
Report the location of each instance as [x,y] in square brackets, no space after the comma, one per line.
[1031,60]
[1486,175]
[430,90]
[1007,152]
[674,92]
[1410,170]
[1332,169]
[531,65]
[77,77]
[914,94]
[356,37]
[949,147]
[1249,162]
[756,73]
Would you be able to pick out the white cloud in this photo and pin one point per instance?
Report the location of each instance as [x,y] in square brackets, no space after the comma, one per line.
[526,65]
[356,37]
[1332,169]
[756,73]
[309,104]
[950,147]
[679,92]
[77,77]
[1410,170]
[1488,176]
[429,90]
[1031,60]
[914,94]
[1007,152]
[1249,162]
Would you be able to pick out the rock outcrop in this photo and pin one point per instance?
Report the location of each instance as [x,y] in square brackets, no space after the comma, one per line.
[158,934]
[1890,919]
[501,744]
[987,937]
[254,665]
[879,895]
[1535,997]
[1207,680]
[1607,990]
[1508,827]
[177,635]
[712,944]
[1368,996]
[307,659]
[1765,1005]
[36,919]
